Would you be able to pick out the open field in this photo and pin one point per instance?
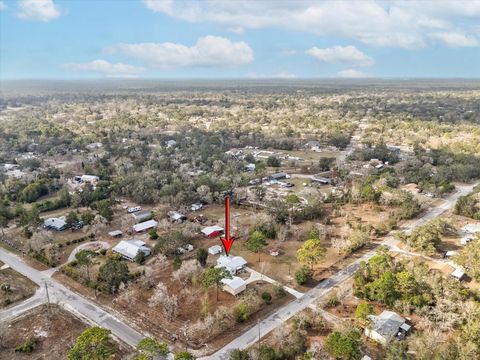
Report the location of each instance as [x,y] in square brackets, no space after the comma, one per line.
[53,330]
[20,288]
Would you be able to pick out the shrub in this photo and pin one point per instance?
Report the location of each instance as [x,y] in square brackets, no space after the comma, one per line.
[267,297]
[28,346]
[241,313]
[280,291]
[303,275]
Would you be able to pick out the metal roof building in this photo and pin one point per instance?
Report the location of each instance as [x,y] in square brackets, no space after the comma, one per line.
[130,248]
[150,224]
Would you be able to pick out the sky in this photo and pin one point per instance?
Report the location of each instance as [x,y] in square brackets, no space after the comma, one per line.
[82,39]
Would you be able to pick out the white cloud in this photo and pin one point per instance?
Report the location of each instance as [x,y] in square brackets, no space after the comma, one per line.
[209,51]
[107,68]
[351,74]
[278,75]
[374,22]
[2,5]
[455,39]
[341,54]
[39,10]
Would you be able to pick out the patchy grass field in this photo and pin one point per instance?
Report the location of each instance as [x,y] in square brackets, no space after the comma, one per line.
[20,287]
[54,333]
[151,309]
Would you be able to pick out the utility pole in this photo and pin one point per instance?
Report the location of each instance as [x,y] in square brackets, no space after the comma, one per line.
[48,296]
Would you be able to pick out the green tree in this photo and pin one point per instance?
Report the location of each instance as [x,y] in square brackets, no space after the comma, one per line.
[344,346]
[326,163]
[469,258]
[363,310]
[92,344]
[112,274]
[241,312]
[153,234]
[104,208]
[311,253]
[383,289]
[72,218]
[85,258]
[256,242]
[202,255]
[140,257]
[213,276]
[151,348]
[87,217]
[302,275]
[273,161]
[177,262]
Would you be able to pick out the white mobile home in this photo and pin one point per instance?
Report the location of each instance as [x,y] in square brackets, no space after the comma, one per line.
[130,248]
[144,226]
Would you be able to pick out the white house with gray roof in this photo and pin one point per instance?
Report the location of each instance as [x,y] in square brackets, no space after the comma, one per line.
[386,326]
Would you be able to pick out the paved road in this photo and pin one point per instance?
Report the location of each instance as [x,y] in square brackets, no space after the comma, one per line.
[85,308]
[10,313]
[76,303]
[281,315]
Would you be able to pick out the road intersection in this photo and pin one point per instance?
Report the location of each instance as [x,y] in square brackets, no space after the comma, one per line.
[94,314]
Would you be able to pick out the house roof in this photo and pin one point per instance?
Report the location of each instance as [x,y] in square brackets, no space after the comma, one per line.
[57,223]
[130,248]
[232,262]
[235,282]
[115,233]
[145,225]
[387,323]
[211,229]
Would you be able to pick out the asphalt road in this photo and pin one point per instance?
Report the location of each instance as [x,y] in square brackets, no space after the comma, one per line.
[250,337]
[93,313]
[73,302]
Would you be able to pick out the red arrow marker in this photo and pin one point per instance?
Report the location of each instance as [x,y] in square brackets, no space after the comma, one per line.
[227,241]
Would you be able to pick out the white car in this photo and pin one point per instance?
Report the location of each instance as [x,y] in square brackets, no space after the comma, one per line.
[134,209]
[196,207]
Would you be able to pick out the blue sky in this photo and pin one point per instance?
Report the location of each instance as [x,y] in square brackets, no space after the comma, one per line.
[238,39]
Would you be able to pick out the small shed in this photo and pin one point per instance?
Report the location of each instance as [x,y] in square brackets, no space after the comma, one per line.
[215,249]
[458,274]
[115,233]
